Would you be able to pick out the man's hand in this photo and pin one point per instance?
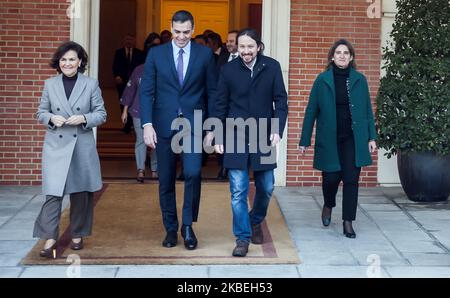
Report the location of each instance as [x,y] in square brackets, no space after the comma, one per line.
[118,80]
[75,120]
[150,136]
[218,149]
[275,139]
[208,138]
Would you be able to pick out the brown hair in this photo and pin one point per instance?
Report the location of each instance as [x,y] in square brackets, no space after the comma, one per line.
[333,49]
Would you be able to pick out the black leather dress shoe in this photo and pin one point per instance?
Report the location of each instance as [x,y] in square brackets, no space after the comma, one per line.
[190,241]
[170,240]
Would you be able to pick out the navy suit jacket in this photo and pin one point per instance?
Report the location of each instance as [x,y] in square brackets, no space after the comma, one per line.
[161,94]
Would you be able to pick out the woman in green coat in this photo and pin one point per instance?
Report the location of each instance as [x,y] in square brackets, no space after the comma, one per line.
[345,132]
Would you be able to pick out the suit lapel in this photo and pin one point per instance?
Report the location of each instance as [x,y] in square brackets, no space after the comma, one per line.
[61,94]
[173,69]
[78,89]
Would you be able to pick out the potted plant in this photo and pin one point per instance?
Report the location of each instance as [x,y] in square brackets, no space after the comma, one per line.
[413,103]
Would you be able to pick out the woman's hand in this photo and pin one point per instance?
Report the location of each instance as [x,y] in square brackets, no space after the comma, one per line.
[76,120]
[58,120]
[372,146]
[303,149]
[124,116]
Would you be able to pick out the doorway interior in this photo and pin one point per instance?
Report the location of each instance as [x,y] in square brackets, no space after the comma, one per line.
[140,17]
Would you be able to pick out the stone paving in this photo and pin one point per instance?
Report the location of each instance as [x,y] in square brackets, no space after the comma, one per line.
[395,238]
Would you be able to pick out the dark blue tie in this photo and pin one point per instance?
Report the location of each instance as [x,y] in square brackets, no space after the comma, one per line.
[180,67]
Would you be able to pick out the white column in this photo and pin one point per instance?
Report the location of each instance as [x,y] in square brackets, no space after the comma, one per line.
[275,35]
[85,30]
[387,168]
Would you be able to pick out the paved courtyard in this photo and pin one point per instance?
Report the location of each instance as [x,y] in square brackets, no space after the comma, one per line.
[395,238]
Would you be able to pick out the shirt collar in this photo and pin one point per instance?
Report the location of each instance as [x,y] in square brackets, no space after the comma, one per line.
[186,49]
[253,64]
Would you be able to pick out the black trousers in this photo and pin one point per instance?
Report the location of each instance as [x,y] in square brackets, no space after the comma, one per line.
[349,175]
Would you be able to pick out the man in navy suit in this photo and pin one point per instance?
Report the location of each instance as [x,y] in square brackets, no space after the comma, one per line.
[176,78]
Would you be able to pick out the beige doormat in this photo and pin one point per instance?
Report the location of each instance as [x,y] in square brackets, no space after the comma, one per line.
[128,229]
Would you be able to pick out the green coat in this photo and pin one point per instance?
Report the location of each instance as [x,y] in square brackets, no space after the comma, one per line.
[322,108]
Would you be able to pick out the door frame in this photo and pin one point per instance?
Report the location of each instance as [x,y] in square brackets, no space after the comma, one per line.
[85,29]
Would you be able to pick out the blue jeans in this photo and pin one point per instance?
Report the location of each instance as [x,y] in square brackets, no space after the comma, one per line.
[239,184]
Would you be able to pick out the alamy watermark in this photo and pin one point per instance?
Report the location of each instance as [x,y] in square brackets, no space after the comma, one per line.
[240,136]
[374,9]
[73,11]
[374,268]
[74,269]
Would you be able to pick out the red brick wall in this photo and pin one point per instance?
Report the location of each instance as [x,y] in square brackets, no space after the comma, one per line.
[315,25]
[29,33]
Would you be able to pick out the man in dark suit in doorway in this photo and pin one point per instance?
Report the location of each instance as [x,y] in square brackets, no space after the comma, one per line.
[176,78]
[125,61]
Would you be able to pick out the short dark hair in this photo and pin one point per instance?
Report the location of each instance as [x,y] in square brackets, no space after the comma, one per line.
[207,32]
[215,37]
[201,36]
[182,16]
[63,49]
[166,32]
[253,34]
[333,48]
[233,31]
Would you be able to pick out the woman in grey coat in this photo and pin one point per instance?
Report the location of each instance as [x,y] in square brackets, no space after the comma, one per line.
[71,106]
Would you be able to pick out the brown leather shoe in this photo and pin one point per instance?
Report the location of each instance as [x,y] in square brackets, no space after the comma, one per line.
[257,234]
[241,248]
[140,176]
[76,246]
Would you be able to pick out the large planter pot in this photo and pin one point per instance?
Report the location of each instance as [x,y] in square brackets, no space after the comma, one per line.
[425,177]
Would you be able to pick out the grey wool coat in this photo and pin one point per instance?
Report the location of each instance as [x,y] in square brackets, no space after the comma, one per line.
[70,162]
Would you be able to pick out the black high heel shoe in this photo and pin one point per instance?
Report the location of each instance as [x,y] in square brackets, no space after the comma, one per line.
[76,245]
[326,216]
[49,253]
[348,229]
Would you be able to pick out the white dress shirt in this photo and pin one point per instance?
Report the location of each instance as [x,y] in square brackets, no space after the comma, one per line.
[186,56]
